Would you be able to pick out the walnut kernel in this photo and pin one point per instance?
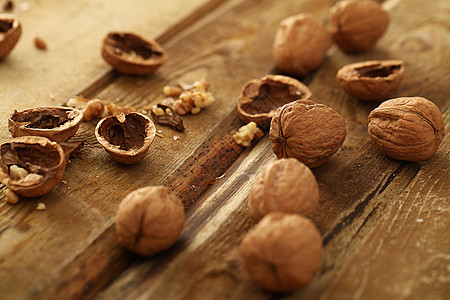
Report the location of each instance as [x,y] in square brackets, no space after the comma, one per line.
[11,197]
[247,133]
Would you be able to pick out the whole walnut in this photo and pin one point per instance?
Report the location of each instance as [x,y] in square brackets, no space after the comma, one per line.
[407,128]
[149,220]
[285,185]
[282,252]
[357,25]
[308,131]
[301,44]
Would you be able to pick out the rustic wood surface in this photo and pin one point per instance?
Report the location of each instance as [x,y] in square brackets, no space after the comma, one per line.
[385,223]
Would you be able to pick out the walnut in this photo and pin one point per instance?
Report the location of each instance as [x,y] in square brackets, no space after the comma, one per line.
[53,122]
[126,137]
[247,133]
[301,44]
[261,97]
[194,98]
[285,185]
[371,80]
[96,108]
[282,252]
[31,166]
[11,197]
[307,131]
[10,32]
[130,53]
[356,25]
[149,220]
[407,128]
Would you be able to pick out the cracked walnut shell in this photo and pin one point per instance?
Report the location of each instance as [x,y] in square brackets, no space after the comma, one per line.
[261,97]
[53,122]
[31,166]
[149,220]
[10,32]
[126,137]
[282,252]
[130,53]
[371,80]
[285,185]
[308,131]
[407,128]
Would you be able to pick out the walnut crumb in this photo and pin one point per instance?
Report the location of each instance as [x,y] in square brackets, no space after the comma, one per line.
[40,43]
[247,133]
[41,206]
[11,197]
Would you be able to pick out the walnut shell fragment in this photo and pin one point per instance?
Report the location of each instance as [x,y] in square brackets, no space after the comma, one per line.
[31,166]
[371,80]
[307,131]
[285,185]
[53,122]
[407,128]
[126,137]
[10,32]
[149,220]
[282,252]
[132,54]
[261,97]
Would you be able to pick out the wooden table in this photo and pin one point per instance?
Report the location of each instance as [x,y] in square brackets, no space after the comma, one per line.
[385,223]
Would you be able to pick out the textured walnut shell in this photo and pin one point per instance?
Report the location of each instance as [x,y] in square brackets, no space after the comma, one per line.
[282,252]
[10,31]
[307,131]
[126,137]
[149,220]
[301,44]
[130,53]
[357,25]
[261,97]
[371,80]
[43,159]
[408,128]
[55,123]
[285,185]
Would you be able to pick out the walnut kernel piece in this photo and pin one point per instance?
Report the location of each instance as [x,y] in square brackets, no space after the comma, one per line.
[40,43]
[357,25]
[285,185]
[96,108]
[371,80]
[10,32]
[53,122]
[301,44]
[247,133]
[194,98]
[31,166]
[261,97]
[407,128]
[130,53]
[282,252]
[126,137]
[41,206]
[165,115]
[11,197]
[149,220]
[172,91]
[307,131]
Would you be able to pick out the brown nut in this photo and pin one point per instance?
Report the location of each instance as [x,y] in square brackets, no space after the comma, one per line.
[53,122]
[408,128]
[10,31]
[261,97]
[149,220]
[301,44]
[130,53]
[282,252]
[285,185]
[357,25]
[126,137]
[31,166]
[371,80]
[307,131]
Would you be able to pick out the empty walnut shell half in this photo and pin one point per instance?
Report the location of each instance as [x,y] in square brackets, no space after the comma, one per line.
[371,80]
[31,166]
[282,252]
[285,185]
[126,137]
[260,98]
[307,131]
[407,128]
[53,122]
[130,53]
[10,31]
